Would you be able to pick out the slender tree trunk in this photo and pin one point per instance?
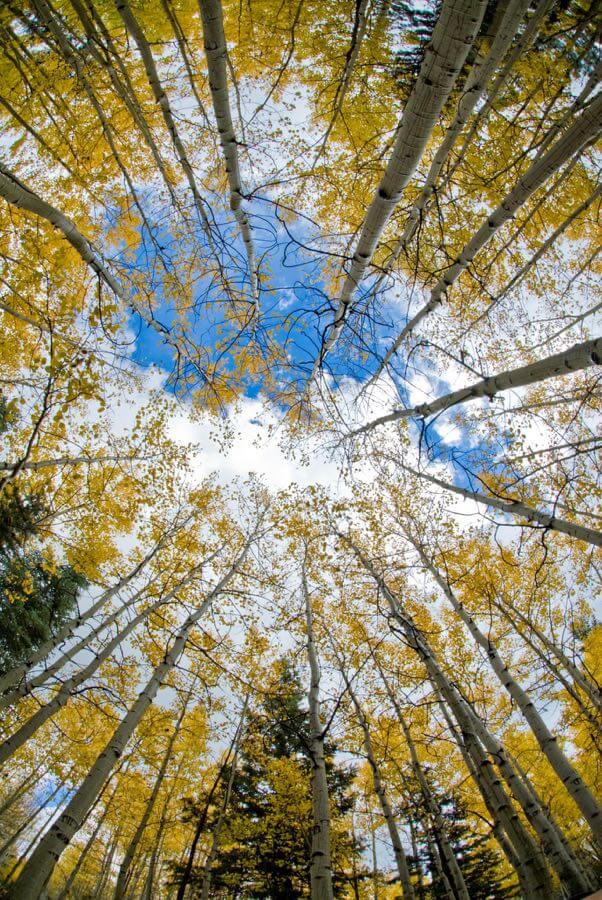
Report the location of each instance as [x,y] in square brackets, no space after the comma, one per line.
[581,132]
[215,52]
[14,675]
[107,865]
[514,840]
[430,802]
[569,777]
[30,782]
[453,36]
[514,507]
[39,868]
[89,843]
[126,863]
[320,866]
[19,195]
[64,694]
[29,819]
[555,844]
[580,356]
[400,857]
[202,821]
[47,674]
[472,91]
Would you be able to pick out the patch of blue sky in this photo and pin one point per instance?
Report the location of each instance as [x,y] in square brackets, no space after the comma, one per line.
[296,310]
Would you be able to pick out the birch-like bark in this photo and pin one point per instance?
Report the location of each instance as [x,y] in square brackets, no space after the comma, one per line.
[553,842]
[133,27]
[14,675]
[27,686]
[36,465]
[529,36]
[453,36]
[430,802]
[39,867]
[400,857]
[18,194]
[46,15]
[65,692]
[320,865]
[515,507]
[215,52]
[472,91]
[124,89]
[581,132]
[65,891]
[549,242]
[513,838]
[124,874]
[575,359]
[581,680]
[567,774]
[34,777]
[29,819]
[211,856]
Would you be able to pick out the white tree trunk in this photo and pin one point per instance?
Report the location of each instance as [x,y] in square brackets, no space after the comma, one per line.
[580,356]
[581,132]
[38,869]
[472,91]
[14,675]
[16,193]
[517,508]
[555,843]
[453,36]
[215,51]
[400,857]
[320,867]
[569,777]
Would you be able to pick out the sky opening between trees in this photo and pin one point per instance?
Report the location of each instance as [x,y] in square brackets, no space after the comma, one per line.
[299,482]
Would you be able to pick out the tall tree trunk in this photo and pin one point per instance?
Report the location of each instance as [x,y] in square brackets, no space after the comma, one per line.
[569,777]
[215,52]
[320,866]
[124,869]
[39,868]
[581,132]
[514,507]
[580,356]
[431,805]
[555,844]
[64,694]
[400,857]
[202,821]
[453,36]
[14,675]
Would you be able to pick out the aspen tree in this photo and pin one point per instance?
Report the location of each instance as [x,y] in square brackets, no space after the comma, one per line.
[321,868]
[580,356]
[569,778]
[214,848]
[454,33]
[581,132]
[556,846]
[39,866]
[215,51]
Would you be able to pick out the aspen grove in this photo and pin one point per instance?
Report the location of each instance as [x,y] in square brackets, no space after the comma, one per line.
[300,398]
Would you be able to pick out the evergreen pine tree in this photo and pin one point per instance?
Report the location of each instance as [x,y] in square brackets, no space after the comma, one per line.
[266,840]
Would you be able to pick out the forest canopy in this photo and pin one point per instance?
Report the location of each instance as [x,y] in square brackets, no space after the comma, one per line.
[299,472]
